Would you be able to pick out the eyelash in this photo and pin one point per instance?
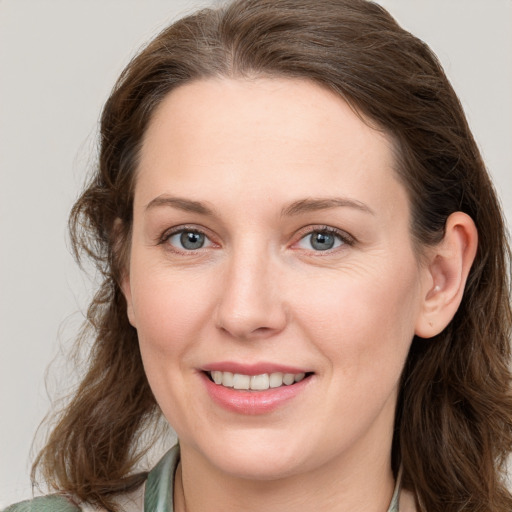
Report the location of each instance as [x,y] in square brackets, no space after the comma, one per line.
[342,236]
[180,230]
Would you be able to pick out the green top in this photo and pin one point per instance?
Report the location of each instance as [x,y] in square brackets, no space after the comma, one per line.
[158,492]
[51,503]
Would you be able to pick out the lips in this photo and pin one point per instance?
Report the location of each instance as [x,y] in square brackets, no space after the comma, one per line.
[254,389]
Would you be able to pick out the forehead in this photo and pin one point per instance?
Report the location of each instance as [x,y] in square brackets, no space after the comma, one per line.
[286,138]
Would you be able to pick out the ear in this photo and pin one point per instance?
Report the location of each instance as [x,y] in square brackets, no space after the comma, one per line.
[121,249]
[447,268]
[127,292]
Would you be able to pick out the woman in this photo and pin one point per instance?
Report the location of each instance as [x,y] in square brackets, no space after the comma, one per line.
[305,271]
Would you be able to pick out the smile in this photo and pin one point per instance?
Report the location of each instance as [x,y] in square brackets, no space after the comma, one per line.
[260,382]
[248,391]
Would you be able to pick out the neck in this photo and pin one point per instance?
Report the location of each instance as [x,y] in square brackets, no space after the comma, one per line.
[353,484]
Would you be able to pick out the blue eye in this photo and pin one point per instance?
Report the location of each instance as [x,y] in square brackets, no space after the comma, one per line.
[321,240]
[188,240]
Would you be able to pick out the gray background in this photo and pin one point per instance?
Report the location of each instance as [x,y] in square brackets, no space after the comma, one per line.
[58,61]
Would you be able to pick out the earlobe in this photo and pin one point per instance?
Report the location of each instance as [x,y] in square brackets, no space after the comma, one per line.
[449,263]
[121,249]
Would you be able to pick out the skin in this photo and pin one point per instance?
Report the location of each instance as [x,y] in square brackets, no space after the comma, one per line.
[247,150]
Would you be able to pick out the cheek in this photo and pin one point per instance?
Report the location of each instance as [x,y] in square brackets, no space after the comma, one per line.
[170,310]
[364,319]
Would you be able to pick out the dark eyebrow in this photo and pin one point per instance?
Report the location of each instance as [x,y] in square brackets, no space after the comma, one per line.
[177,202]
[312,205]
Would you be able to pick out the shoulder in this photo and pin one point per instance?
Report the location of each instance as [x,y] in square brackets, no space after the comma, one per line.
[130,502]
[158,487]
[51,503]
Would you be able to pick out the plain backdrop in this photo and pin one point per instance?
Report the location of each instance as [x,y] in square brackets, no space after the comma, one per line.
[58,62]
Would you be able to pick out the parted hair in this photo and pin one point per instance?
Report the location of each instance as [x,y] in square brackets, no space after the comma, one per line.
[453,426]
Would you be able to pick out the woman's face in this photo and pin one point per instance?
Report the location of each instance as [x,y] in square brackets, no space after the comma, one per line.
[271,240]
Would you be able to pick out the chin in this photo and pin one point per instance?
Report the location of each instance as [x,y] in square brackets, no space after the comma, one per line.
[260,468]
[258,459]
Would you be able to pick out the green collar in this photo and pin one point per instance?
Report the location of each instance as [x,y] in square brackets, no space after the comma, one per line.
[158,493]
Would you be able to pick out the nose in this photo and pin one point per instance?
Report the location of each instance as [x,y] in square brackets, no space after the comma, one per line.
[251,305]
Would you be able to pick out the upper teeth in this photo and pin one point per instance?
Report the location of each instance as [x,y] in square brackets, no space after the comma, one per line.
[255,382]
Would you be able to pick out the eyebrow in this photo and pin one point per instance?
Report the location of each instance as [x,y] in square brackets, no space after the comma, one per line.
[186,205]
[313,205]
[296,208]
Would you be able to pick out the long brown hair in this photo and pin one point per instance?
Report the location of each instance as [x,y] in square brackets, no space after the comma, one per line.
[453,428]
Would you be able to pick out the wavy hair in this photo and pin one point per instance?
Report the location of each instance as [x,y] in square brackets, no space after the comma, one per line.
[453,427]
